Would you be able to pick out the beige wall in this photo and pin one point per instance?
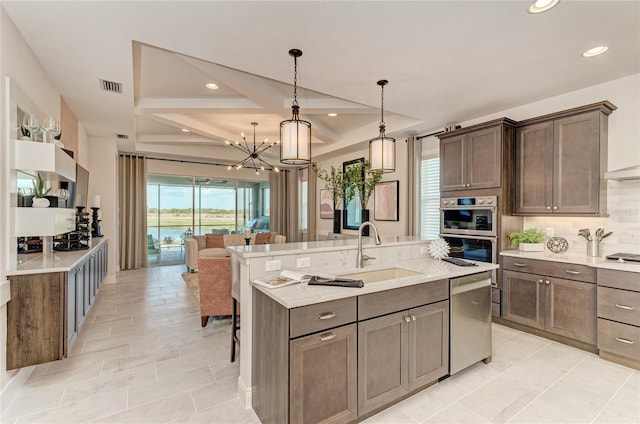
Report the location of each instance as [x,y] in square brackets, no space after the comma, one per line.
[69,128]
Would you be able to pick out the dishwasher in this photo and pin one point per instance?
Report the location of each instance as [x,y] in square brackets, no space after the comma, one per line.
[470,321]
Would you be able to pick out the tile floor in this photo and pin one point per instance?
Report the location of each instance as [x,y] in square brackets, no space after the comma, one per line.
[142,357]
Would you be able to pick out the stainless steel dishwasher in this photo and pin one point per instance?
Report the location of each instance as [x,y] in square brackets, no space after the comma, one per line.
[470,321]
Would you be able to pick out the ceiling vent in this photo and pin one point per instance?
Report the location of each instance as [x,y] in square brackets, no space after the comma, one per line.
[111,86]
[122,136]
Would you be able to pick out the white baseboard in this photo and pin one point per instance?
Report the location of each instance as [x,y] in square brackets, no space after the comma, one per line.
[13,386]
[245,394]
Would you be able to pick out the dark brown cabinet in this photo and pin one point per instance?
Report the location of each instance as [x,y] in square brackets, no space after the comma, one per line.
[560,162]
[476,157]
[561,306]
[401,352]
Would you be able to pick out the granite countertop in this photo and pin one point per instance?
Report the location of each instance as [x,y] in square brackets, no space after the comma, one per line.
[297,295]
[58,261]
[262,250]
[576,258]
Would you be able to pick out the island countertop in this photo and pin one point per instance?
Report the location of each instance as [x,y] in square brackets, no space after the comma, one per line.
[429,269]
[57,261]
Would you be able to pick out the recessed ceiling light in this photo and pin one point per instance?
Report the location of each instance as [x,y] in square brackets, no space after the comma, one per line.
[185,130]
[595,51]
[332,114]
[540,6]
[211,86]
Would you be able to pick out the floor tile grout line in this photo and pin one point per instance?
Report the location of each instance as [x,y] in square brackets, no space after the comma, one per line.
[612,397]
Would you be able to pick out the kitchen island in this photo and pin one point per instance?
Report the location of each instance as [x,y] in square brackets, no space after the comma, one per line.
[429,284]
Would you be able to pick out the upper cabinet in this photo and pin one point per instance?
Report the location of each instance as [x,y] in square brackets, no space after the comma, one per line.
[560,162]
[45,158]
[476,157]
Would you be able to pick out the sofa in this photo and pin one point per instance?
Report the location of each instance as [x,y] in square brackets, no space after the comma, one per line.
[215,245]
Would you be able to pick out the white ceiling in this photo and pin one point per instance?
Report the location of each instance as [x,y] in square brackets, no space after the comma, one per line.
[446,62]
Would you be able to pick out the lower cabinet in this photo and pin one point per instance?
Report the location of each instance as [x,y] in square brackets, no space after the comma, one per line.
[566,307]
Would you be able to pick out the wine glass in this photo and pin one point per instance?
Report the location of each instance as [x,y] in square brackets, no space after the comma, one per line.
[32,123]
[51,126]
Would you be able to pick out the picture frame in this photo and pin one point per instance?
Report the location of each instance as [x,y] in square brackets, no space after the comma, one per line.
[386,201]
[352,211]
[326,204]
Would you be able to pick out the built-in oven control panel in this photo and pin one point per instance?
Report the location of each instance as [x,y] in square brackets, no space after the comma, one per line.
[466,202]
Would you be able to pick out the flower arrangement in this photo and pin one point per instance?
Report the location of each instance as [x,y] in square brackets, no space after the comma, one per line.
[335,181]
[363,188]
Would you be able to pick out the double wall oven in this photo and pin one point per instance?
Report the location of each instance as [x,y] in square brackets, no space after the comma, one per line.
[469,225]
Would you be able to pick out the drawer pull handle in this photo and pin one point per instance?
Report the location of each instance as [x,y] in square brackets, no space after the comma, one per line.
[628,308]
[572,272]
[327,315]
[519,264]
[327,336]
[621,340]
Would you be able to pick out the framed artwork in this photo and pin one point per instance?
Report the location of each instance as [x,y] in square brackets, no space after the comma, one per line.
[386,201]
[326,204]
[351,214]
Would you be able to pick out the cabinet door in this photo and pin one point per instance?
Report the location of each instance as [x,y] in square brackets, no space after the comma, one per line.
[80,305]
[484,153]
[523,297]
[534,169]
[571,309]
[452,163]
[577,166]
[72,331]
[382,363]
[323,384]
[87,286]
[428,339]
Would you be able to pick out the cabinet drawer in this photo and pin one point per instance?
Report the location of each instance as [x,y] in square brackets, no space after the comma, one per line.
[320,316]
[550,268]
[619,279]
[619,305]
[620,339]
[386,302]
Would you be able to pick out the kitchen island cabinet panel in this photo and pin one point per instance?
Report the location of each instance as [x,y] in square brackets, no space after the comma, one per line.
[571,309]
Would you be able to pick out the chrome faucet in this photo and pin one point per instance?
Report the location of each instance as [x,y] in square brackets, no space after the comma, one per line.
[361,258]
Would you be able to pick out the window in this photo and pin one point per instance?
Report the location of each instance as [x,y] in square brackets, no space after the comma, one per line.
[303,203]
[430,197]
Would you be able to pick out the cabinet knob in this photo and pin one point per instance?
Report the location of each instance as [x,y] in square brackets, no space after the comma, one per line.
[547,282]
[327,315]
[540,281]
[413,317]
[555,208]
[548,208]
[407,319]
[327,336]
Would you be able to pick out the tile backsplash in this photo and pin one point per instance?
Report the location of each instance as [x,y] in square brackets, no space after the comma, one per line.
[623,206]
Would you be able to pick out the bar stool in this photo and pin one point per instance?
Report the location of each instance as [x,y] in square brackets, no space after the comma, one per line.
[235,322]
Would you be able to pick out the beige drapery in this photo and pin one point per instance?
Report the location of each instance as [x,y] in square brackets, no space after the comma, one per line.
[284,204]
[132,201]
[413,187]
[312,203]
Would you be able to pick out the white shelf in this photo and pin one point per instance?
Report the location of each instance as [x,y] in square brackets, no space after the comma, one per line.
[33,222]
[31,156]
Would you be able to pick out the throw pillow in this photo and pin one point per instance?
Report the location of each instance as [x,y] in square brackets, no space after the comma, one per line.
[215,240]
[263,238]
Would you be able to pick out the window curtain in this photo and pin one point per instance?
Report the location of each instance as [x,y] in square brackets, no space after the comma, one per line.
[413,187]
[132,200]
[312,203]
[284,197]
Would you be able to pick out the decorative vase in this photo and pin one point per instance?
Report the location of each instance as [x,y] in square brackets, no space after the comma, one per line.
[40,202]
[364,215]
[531,247]
[337,221]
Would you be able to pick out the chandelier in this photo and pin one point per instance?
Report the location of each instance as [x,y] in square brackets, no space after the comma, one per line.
[253,159]
[382,149]
[295,134]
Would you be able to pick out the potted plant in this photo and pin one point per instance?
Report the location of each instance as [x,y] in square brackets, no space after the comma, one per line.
[335,181]
[40,192]
[362,181]
[530,240]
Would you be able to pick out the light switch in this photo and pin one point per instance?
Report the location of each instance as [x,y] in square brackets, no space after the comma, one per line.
[303,262]
[274,265]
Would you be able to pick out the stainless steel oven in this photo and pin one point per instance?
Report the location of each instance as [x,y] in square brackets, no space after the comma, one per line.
[469,215]
[473,248]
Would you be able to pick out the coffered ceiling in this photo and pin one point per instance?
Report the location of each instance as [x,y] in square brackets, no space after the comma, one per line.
[447,62]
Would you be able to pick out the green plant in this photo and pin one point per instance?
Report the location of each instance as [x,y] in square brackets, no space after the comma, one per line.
[531,235]
[334,181]
[365,188]
[39,189]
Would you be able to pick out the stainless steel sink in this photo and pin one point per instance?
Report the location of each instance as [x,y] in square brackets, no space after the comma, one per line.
[380,275]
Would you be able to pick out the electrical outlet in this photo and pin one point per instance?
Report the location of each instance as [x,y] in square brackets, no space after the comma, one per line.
[549,232]
[303,262]
[423,250]
[274,265]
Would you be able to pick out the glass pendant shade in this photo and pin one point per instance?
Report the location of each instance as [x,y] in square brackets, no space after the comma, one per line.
[382,154]
[295,141]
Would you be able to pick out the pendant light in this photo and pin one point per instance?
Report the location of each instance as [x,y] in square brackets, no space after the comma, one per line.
[382,149]
[295,134]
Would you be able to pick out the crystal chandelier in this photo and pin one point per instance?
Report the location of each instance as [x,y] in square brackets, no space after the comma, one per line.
[382,149]
[295,134]
[253,159]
